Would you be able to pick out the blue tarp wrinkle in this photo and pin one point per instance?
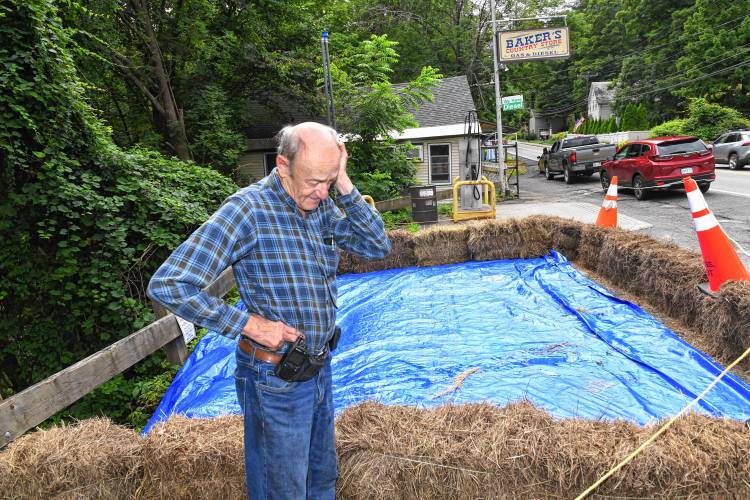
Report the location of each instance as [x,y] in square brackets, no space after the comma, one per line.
[536,329]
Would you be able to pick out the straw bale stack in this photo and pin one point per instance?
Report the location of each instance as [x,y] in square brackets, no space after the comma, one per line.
[194,459]
[511,239]
[726,320]
[441,245]
[92,459]
[519,451]
[402,255]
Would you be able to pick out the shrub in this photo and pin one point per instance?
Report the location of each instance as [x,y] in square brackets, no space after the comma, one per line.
[672,127]
[84,223]
[705,120]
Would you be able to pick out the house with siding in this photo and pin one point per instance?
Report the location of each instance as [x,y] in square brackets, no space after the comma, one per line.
[435,139]
[601,99]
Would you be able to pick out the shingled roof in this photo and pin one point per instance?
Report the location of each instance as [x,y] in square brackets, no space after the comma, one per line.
[603,93]
[452,101]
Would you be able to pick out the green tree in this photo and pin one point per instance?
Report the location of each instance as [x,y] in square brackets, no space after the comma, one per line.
[369,109]
[84,223]
[714,59]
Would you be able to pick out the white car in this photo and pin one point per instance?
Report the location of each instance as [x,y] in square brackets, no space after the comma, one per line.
[733,148]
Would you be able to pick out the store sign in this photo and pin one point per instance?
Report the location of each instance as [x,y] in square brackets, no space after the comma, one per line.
[530,45]
[512,102]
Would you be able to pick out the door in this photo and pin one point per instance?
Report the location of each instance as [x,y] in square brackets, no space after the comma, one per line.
[641,161]
[620,162]
[721,148]
[554,157]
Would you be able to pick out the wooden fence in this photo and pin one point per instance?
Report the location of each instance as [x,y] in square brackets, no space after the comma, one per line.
[34,405]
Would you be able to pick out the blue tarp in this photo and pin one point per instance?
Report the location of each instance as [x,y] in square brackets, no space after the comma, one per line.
[535,328]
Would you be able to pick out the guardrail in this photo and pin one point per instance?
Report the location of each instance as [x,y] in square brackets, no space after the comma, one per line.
[32,406]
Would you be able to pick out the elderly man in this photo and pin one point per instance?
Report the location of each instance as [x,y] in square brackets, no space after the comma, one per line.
[280,236]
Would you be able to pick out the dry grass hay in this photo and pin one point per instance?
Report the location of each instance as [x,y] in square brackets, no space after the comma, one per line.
[91,459]
[519,451]
[402,255]
[441,244]
[511,239]
[194,459]
[590,245]
[727,320]
[566,235]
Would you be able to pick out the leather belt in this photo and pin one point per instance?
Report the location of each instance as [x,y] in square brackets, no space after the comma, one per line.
[258,353]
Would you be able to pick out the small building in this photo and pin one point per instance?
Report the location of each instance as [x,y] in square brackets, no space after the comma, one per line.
[601,99]
[543,125]
[441,127]
[435,140]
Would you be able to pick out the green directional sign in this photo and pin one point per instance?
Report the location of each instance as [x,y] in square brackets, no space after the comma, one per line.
[512,102]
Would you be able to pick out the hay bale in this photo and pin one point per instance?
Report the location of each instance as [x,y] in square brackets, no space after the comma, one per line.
[402,255]
[727,319]
[519,451]
[510,239]
[621,255]
[442,244]
[195,459]
[91,459]
[590,245]
[566,236]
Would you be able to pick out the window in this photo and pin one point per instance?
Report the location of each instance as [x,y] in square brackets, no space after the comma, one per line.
[681,146]
[634,151]
[734,138]
[440,163]
[623,152]
[415,153]
[269,161]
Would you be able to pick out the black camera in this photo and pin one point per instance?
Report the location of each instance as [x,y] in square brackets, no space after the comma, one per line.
[293,360]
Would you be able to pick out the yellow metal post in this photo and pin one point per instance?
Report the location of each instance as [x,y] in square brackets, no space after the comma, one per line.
[488,210]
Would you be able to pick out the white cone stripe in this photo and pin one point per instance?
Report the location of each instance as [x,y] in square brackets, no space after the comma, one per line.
[612,190]
[609,204]
[705,222]
[696,201]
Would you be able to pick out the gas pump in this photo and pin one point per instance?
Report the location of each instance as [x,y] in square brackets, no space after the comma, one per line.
[469,164]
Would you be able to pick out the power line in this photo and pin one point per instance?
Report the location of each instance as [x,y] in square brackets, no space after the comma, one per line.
[568,107]
[646,92]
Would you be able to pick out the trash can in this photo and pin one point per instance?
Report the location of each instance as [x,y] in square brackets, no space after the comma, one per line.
[424,203]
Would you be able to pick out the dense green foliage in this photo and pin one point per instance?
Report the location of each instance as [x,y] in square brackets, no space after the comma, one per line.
[370,108]
[84,223]
[704,120]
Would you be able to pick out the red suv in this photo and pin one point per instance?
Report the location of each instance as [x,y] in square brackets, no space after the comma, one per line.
[660,163]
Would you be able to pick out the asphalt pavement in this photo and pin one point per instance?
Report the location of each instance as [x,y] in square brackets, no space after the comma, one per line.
[667,212]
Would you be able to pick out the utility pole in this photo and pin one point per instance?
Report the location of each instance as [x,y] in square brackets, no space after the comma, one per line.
[498,106]
[327,83]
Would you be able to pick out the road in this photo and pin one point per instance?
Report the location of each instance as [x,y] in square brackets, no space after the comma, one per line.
[668,212]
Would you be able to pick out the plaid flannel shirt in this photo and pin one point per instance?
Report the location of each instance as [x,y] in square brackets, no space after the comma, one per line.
[284,264]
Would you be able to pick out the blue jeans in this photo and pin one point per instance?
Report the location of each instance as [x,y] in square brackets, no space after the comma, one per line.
[290,450]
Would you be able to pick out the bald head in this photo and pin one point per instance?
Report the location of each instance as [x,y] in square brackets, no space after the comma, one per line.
[293,139]
[308,163]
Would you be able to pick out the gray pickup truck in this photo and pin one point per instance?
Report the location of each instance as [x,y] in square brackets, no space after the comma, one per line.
[577,156]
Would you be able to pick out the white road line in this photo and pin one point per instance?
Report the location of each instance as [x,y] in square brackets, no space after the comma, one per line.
[730,192]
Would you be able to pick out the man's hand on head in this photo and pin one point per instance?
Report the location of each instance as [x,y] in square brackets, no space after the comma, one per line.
[344,185]
[271,334]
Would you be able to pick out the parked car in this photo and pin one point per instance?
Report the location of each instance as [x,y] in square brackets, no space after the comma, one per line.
[660,163]
[577,156]
[733,148]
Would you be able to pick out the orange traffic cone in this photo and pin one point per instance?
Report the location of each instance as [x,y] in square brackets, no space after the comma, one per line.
[719,257]
[608,212]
